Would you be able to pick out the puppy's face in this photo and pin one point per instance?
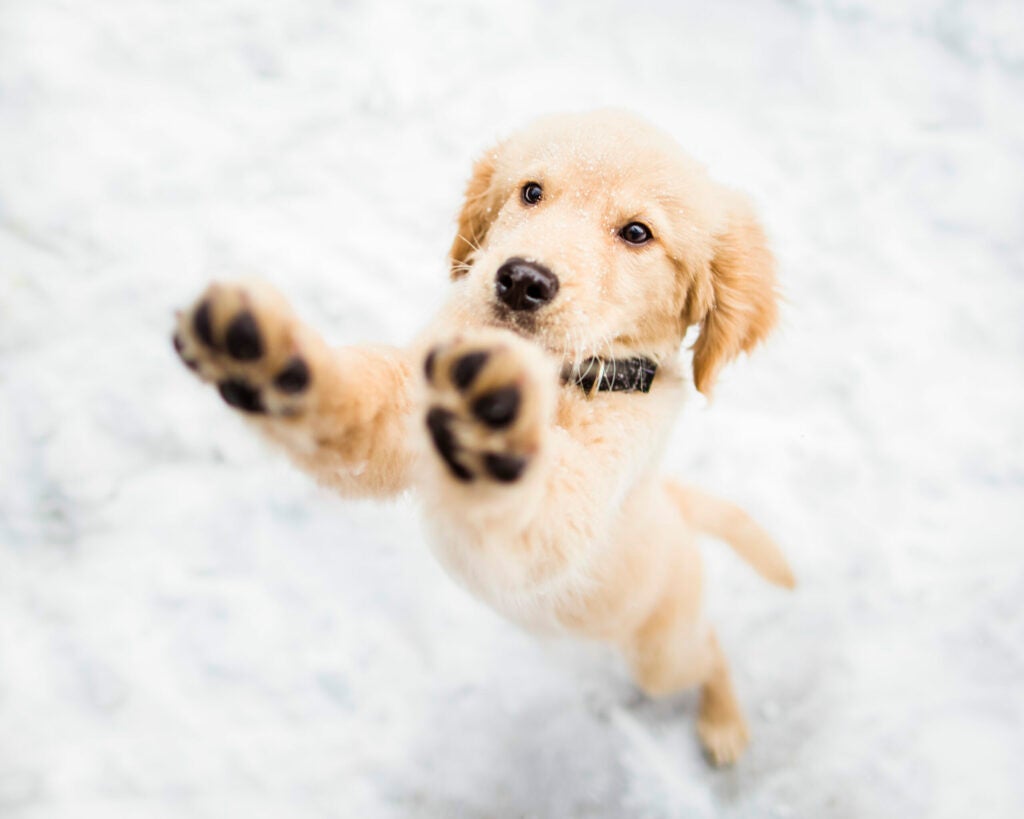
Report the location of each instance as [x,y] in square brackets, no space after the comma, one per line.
[596,236]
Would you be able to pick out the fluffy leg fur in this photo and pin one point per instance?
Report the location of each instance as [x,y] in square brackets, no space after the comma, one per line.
[673,650]
[720,724]
[341,415]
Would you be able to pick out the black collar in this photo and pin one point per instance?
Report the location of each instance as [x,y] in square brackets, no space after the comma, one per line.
[617,375]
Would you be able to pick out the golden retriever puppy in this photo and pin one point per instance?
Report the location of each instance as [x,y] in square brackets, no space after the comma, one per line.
[531,413]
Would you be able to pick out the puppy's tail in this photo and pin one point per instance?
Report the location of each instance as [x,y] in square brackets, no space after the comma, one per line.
[728,522]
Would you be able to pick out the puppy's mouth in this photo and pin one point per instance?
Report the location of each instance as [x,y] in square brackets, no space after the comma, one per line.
[533,328]
[525,324]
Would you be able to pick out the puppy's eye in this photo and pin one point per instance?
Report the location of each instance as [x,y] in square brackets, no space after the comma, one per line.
[636,233]
[531,193]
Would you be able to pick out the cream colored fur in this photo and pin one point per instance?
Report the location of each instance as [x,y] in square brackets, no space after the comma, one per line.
[588,539]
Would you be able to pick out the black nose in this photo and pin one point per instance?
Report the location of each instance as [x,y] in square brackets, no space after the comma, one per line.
[524,285]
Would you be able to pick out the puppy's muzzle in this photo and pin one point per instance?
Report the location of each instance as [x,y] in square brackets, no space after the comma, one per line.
[523,285]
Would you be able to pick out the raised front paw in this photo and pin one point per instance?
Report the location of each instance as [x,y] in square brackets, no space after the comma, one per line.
[245,339]
[489,396]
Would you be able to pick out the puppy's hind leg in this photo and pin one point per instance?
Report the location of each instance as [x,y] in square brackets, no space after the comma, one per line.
[673,651]
[720,724]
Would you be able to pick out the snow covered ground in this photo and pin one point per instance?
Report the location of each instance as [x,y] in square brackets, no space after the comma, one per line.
[190,628]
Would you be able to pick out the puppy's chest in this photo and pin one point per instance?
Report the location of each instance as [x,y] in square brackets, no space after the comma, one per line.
[529,583]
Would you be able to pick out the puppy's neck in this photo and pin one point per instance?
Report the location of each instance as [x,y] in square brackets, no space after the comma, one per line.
[594,375]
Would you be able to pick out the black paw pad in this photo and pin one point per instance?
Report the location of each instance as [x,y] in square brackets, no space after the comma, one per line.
[428,364]
[504,468]
[466,368]
[294,377]
[203,325]
[243,338]
[497,408]
[241,395]
[439,423]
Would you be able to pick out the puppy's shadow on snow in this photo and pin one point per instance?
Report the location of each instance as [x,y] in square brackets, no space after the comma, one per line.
[485,755]
[606,751]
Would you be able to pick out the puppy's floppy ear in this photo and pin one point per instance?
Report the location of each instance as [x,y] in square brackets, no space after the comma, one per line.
[478,211]
[734,301]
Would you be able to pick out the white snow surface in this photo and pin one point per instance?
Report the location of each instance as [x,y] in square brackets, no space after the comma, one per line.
[189,627]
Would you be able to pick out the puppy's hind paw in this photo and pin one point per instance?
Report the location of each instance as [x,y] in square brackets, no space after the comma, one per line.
[723,740]
[490,395]
[245,339]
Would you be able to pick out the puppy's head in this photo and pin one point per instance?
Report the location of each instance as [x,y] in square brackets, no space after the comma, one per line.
[597,236]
